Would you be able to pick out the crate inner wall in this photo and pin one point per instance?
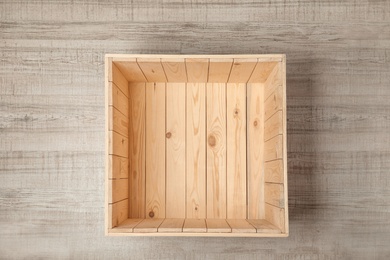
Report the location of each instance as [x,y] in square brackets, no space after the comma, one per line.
[196,145]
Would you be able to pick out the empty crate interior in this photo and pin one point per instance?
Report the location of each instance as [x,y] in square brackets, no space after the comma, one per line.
[196,145]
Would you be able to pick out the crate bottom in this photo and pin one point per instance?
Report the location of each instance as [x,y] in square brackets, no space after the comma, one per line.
[197,227]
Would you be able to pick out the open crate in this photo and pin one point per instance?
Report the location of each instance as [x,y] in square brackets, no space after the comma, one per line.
[196,145]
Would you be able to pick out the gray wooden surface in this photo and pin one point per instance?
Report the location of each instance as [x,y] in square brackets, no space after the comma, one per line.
[52,121]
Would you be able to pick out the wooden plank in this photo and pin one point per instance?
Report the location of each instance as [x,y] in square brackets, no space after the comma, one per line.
[155,150]
[219,70]
[117,121]
[137,150]
[152,69]
[118,100]
[275,216]
[261,72]
[196,151]
[241,226]
[273,171]
[118,213]
[216,150]
[255,150]
[170,225]
[274,81]
[118,167]
[241,70]
[263,226]
[236,150]
[273,148]
[217,226]
[119,190]
[127,226]
[273,126]
[175,70]
[274,102]
[273,193]
[175,150]
[118,144]
[192,225]
[197,70]
[119,80]
[148,225]
[131,70]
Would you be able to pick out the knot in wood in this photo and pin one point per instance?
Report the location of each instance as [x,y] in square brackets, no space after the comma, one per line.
[212,140]
[151,214]
[168,135]
[255,123]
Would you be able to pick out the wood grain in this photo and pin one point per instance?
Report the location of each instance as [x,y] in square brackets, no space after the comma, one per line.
[216,150]
[137,150]
[171,225]
[52,121]
[236,151]
[155,150]
[175,193]
[196,151]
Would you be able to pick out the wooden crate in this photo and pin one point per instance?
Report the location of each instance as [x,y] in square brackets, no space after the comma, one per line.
[196,145]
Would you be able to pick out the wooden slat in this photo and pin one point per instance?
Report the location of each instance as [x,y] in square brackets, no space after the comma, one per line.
[263,226]
[175,150]
[197,70]
[217,226]
[171,225]
[274,102]
[255,150]
[274,81]
[119,190]
[273,126]
[273,148]
[273,171]
[216,150]
[194,225]
[127,226]
[118,213]
[275,216]
[236,150]
[196,151]
[242,70]
[118,167]
[261,72]
[219,70]
[119,80]
[241,226]
[175,70]
[155,150]
[131,70]
[273,193]
[148,225]
[152,69]
[137,150]
[118,99]
[117,121]
[117,144]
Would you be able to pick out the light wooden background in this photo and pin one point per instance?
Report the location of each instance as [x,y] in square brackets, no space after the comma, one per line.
[52,121]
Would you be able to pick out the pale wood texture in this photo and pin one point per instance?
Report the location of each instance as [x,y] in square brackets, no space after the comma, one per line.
[131,70]
[155,150]
[216,150]
[119,190]
[194,225]
[261,72]
[148,225]
[127,226]
[197,70]
[118,122]
[218,226]
[118,144]
[241,226]
[219,70]
[236,150]
[175,70]
[137,150]
[118,167]
[275,216]
[273,171]
[273,126]
[119,212]
[242,70]
[171,225]
[263,226]
[274,194]
[255,150]
[175,150]
[196,151]
[52,121]
[273,148]
[152,69]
